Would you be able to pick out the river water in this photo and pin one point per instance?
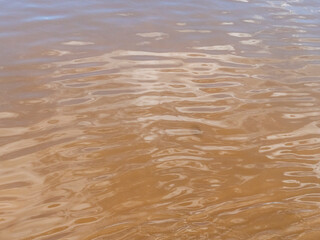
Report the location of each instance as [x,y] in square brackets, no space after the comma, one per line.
[178,119]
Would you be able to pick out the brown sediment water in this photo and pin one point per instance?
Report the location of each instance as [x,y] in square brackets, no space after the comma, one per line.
[160,120]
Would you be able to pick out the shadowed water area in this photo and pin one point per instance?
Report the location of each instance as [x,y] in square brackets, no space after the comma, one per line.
[163,120]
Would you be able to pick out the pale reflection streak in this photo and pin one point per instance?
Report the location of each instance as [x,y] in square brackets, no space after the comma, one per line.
[31,143]
[147,76]
[150,76]
[309,129]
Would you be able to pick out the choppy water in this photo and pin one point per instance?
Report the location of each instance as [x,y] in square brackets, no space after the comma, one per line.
[160,119]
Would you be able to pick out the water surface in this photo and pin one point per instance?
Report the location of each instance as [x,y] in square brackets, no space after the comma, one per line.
[160,119]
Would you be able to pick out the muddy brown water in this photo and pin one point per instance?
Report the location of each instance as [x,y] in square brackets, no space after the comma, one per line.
[160,120]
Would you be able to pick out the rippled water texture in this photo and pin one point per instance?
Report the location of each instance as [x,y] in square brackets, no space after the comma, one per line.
[180,119]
